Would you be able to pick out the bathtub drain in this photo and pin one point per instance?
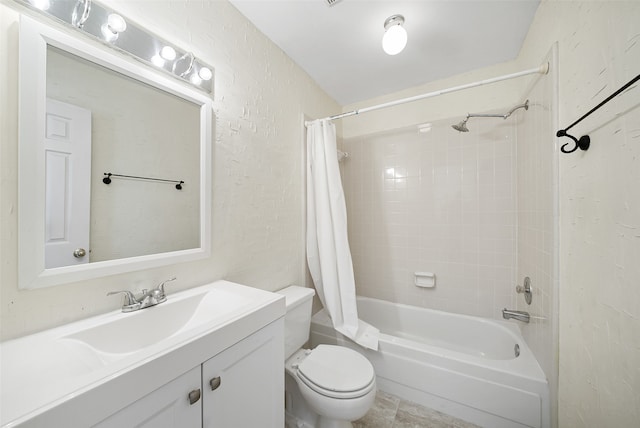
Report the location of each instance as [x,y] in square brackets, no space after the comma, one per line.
[516,350]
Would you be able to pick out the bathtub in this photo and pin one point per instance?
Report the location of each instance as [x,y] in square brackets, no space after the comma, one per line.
[460,365]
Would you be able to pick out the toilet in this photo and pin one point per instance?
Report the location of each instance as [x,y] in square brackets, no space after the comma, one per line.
[326,387]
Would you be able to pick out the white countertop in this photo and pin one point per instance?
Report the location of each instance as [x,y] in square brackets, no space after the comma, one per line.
[77,365]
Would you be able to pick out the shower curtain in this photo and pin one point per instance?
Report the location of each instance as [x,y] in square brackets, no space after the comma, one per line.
[328,251]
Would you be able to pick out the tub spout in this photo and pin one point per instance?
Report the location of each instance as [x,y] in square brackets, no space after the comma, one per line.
[516,315]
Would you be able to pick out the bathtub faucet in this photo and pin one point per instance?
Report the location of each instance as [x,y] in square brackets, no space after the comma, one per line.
[516,315]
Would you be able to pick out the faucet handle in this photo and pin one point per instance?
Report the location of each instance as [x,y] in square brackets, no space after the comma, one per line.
[160,286]
[525,289]
[131,299]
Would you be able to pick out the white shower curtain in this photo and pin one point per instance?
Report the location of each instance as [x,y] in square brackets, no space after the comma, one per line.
[328,251]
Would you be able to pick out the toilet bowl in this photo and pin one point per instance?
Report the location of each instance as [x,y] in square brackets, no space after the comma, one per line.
[337,383]
[329,386]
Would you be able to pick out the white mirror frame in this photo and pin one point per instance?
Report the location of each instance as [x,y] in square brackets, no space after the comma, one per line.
[34,38]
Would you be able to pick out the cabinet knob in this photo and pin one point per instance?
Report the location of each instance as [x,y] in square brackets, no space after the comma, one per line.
[215,383]
[194,396]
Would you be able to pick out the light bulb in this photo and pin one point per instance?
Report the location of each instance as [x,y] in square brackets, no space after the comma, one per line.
[168,53]
[40,4]
[157,61]
[195,79]
[116,23]
[394,39]
[109,35]
[205,73]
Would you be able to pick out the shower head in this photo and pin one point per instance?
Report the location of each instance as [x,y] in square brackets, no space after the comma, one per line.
[462,126]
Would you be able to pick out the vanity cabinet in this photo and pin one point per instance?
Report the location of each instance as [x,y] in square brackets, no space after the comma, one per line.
[166,407]
[209,356]
[242,386]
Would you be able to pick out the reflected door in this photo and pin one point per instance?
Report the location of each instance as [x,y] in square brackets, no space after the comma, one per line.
[68,184]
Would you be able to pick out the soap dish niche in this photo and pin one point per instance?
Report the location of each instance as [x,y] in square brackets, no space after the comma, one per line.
[425,279]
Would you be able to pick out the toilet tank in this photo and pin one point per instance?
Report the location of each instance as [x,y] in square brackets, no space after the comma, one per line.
[297,320]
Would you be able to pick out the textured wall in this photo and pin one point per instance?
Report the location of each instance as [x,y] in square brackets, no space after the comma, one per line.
[442,202]
[599,51]
[260,99]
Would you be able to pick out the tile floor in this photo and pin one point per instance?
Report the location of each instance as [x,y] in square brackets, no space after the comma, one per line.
[390,411]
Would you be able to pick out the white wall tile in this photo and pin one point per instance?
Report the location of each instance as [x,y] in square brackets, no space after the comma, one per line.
[537,243]
[444,217]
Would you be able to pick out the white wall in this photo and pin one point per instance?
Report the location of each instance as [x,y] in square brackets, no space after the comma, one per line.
[599,51]
[260,98]
[441,202]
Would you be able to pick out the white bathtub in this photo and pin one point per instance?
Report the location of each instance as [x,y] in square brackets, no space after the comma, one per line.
[460,365]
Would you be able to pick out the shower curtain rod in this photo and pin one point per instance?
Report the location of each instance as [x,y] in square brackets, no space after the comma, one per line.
[543,69]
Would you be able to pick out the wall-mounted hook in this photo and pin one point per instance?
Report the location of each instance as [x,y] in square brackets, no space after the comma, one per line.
[582,144]
[584,141]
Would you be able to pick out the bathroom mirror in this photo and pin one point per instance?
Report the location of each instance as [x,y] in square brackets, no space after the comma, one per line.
[114,162]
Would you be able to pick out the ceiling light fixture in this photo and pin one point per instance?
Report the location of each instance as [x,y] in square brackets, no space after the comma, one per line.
[395,36]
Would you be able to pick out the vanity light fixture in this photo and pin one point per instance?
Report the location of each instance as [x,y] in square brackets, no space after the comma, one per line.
[40,4]
[94,19]
[184,65]
[113,27]
[395,36]
[205,73]
[168,53]
[80,13]
[157,61]
[195,79]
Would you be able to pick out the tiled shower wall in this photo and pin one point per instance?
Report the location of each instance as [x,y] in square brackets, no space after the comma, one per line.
[537,175]
[442,202]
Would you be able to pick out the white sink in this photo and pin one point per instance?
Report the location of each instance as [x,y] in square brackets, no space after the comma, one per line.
[131,332]
[127,352]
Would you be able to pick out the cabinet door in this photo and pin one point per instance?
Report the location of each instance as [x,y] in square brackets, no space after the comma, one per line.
[243,386]
[167,407]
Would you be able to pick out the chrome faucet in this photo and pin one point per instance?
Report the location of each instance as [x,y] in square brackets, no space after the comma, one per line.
[146,299]
[516,315]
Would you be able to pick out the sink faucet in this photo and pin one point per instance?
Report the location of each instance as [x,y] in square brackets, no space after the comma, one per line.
[516,315]
[146,299]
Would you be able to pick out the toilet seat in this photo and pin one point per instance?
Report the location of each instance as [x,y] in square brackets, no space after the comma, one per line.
[337,372]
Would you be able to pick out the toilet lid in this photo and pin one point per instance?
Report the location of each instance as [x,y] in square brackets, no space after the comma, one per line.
[336,369]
